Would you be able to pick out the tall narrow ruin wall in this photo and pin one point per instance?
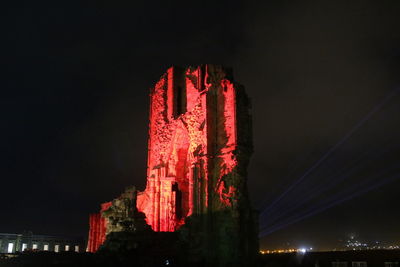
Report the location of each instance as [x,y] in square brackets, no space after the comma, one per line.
[194,149]
[97,229]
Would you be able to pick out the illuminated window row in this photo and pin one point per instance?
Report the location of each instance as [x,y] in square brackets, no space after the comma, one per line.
[11,248]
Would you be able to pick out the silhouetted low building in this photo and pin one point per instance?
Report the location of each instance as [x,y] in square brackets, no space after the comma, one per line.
[12,243]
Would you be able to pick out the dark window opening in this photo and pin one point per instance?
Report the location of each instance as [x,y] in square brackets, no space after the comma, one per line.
[178,201]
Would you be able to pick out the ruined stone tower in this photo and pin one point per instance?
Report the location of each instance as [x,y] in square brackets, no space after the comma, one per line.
[199,146]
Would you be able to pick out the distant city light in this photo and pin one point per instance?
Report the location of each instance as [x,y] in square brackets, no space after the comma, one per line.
[351,244]
[290,250]
[302,250]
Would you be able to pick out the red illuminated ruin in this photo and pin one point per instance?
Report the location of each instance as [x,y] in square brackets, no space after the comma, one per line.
[198,149]
[178,147]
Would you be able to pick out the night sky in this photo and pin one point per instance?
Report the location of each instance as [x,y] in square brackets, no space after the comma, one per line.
[74,107]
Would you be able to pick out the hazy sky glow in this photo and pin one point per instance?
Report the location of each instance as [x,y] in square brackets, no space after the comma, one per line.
[74,108]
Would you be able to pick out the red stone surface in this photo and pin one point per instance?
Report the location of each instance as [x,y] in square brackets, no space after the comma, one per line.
[192,150]
[178,145]
[97,229]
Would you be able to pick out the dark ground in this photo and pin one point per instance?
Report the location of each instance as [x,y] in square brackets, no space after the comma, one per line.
[311,259]
[72,259]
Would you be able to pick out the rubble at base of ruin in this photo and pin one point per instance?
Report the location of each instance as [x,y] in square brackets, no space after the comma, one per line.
[199,146]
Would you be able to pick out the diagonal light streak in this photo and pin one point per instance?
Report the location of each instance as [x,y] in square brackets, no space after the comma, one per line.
[337,199]
[332,149]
